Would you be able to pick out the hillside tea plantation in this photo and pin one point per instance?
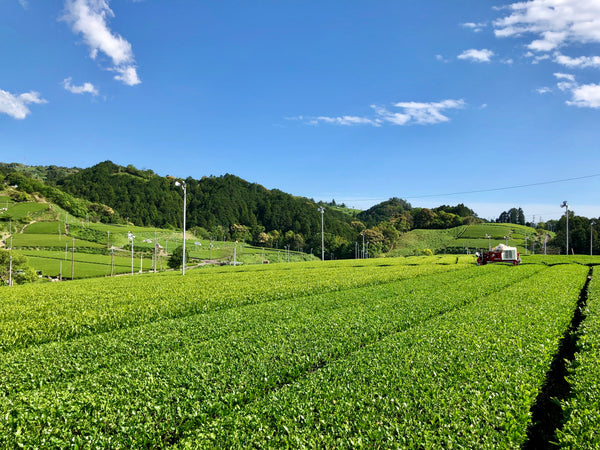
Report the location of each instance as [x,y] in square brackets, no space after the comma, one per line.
[430,352]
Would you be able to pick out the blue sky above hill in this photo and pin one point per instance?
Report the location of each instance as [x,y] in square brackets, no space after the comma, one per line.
[357,101]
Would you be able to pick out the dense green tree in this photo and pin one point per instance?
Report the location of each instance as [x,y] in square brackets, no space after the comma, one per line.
[579,234]
[176,259]
[21,271]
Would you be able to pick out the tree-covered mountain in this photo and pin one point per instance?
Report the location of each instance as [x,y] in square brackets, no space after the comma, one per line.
[215,203]
[227,207]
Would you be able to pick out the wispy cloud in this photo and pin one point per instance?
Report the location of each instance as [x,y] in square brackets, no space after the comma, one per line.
[89,18]
[476,27]
[344,120]
[579,62]
[16,105]
[402,114]
[553,23]
[24,3]
[85,88]
[483,55]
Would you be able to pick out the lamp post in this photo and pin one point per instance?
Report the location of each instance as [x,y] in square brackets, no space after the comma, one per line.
[131,237]
[489,242]
[184,187]
[566,206]
[322,211]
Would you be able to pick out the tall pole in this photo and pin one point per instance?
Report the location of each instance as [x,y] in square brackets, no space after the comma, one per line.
[184,187]
[591,236]
[363,246]
[10,264]
[131,236]
[322,210]
[73,261]
[566,206]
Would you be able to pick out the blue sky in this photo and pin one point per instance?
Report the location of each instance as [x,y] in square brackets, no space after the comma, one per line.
[357,101]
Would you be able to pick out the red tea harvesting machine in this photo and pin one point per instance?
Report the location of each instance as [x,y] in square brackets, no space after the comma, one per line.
[500,253]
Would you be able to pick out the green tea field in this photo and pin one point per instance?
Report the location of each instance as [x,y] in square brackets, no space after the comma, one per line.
[418,352]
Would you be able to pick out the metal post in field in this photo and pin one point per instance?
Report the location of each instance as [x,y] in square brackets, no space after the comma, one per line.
[73,261]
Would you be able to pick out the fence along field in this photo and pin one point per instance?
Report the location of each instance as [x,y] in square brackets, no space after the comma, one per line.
[316,354]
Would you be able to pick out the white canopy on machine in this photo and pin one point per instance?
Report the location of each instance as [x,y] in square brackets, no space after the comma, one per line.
[508,253]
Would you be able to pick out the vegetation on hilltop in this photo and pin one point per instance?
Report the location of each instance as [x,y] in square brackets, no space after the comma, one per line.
[229,208]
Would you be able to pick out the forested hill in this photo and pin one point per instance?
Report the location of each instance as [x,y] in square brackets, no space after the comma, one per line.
[214,203]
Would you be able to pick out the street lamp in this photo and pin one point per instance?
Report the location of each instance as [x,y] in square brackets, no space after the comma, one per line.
[489,242]
[131,237]
[566,206]
[322,211]
[184,187]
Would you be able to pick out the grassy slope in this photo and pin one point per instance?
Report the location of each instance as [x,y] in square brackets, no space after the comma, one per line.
[472,236]
[44,245]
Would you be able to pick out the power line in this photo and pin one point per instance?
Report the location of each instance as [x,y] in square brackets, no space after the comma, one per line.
[518,186]
[508,187]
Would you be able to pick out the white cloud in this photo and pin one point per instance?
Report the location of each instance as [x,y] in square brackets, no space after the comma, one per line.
[410,113]
[583,95]
[89,19]
[476,27]
[564,76]
[483,55]
[85,88]
[427,113]
[579,62]
[566,81]
[553,23]
[16,105]
[543,90]
[128,75]
[24,3]
[586,96]
[343,120]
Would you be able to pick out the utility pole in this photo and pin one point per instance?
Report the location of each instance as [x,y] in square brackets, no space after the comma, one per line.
[566,206]
[131,237]
[184,187]
[363,246]
[322,211]
[112,261]
[73,261]
[591,235]
[155,252]
[10,264]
